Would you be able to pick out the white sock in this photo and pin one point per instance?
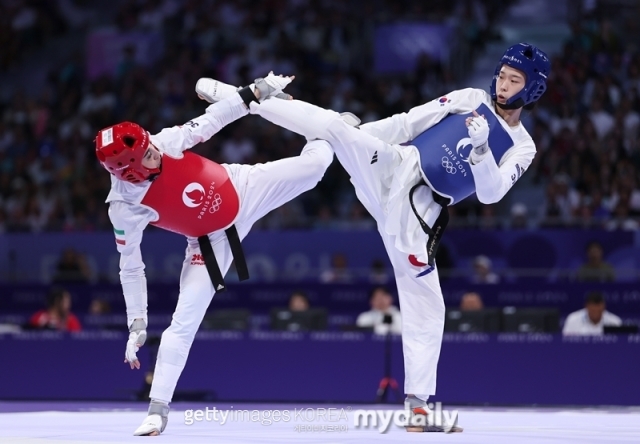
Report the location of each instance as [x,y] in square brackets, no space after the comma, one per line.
[416,401]
[155,401]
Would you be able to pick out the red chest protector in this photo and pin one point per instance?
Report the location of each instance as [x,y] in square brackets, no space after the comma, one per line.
[193,196]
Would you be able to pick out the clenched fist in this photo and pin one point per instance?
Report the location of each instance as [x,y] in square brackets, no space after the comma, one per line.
[478,128]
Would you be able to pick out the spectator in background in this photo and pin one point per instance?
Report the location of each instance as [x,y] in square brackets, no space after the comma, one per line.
[298,301]
[358,219]
[621,219]
[57,315]
[339,272]
[377,273]
[488,219]
[324,220]
[519,218]
[99,307]
[471,302]
[239,148]
[602,121]
[482,273]
[595,269]
[72,268]
[381,303]
[591,319]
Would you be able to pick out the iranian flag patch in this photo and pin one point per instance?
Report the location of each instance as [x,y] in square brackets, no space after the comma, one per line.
[119,237]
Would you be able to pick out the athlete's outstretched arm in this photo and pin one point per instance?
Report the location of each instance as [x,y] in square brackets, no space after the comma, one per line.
[404,127]
[203,127]
[230,104]
[129,221]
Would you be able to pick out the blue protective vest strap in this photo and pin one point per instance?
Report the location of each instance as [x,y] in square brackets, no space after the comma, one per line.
[445,148]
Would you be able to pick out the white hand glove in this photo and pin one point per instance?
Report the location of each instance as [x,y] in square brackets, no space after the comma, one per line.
[272,86]
[478,128]
[137,337]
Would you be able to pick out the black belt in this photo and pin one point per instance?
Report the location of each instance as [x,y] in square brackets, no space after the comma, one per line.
[211,262]
[435,232]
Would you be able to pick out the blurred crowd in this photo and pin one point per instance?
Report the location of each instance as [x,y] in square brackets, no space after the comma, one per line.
[49,178]
[26,25]
[585,127]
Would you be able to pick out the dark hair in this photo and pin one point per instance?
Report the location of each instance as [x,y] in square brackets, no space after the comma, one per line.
[55,296]
[378,288]
[594,297]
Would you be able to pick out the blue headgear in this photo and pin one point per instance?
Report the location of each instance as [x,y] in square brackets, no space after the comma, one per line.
[536,66]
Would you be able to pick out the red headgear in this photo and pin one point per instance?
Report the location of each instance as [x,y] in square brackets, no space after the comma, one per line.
[120,149]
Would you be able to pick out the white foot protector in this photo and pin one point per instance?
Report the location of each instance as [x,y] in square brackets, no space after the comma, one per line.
[213,90]
[350,119]
[152,423]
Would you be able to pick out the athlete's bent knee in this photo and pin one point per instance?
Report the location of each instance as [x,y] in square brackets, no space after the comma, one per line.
[340,132]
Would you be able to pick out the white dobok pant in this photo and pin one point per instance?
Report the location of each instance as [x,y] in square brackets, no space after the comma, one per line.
[421,301]
[261,188]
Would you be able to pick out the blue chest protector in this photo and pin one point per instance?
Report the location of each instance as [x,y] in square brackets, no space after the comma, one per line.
[445,148]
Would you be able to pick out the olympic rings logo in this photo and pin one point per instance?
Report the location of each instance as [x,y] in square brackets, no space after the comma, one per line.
[448,165]
[215,204]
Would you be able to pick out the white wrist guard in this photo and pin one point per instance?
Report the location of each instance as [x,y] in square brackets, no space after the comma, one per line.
[476,156]
[481,149]
[138,325]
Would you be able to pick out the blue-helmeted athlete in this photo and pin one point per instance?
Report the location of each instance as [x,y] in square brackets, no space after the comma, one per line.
[408,168]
